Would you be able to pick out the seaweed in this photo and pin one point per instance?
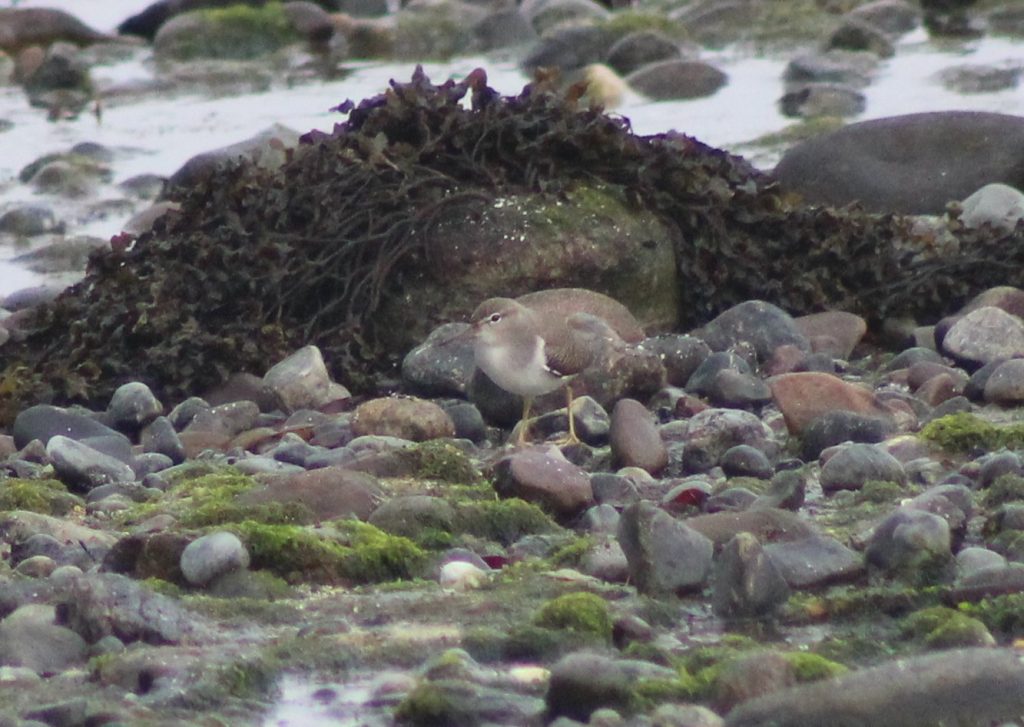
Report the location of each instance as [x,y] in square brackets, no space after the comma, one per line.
[259,262]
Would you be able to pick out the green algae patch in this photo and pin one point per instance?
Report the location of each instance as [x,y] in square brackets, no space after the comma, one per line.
[210,500]
[48,497]
[443,462]
[940,627]
[346,551]
[1006,488]
[436,703]
[582,613]
[503,521]
[880,492]
[809,667]
[624,22]
[1002,615]
[963,433]
[856,602]
[237,32]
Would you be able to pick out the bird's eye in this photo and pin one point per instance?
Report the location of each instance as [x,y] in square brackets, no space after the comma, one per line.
[495,317]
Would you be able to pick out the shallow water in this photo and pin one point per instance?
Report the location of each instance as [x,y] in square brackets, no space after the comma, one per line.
[158,135]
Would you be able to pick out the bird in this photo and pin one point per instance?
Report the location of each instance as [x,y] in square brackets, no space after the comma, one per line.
[541,341]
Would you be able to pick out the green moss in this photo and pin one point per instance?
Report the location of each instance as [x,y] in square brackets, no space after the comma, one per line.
[430,704]
[945,628]
[624,22]
[431,32]
[650,692]
[582,612]
[570,554]
[1002,615]
[964,432]
[349,551]
[248,678]
[236,32]
[210,499]
[49,497]
[880,492]
[444,462]
[855,602]
[1006,488]
[503,521]
[813,667]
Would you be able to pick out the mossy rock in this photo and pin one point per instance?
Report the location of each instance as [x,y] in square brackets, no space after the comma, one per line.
[235,32]
[442,461]
[582,613]
[1002,615]
[344,552]
[809,667]
[503,521]
[964,432]
[210,500]
[48,497]
[1006,488]
[939,627]
[437,31]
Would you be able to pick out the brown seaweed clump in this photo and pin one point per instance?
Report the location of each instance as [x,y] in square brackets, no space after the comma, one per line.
[258,262]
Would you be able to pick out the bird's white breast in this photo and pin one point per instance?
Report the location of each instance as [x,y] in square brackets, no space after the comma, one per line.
[521,372]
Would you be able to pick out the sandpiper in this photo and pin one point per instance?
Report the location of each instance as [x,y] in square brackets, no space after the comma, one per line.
[540,341]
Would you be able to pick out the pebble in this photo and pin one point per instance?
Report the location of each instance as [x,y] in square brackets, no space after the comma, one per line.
[546,478]
[211,556]
[82,467]
[410,418]
[853,465]
[300,381]
[634,438]
[664,555]
[803,397]
[132,406]
[983,335]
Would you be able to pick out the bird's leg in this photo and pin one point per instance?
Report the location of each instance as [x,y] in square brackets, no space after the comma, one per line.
[571,438]
[524,423]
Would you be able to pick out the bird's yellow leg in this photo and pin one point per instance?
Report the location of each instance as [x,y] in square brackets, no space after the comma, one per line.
[524,425]
[571,438]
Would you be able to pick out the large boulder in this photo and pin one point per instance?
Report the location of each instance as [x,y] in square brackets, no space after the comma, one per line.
[912,164]
[22,27]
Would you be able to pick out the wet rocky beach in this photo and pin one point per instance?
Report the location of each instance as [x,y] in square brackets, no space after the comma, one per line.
[250,473]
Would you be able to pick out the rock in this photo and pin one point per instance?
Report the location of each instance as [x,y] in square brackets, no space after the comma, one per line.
[267,150]
[997,205]
[545,15]
[60,82]
[851,68]
[82,467]
[159,437]
[713,431]
[821,98]
[30,220]
[768,525]
[442,365]
[19,525]
[751,675]
[461,576]
[977,78]
[102,604]
[634,438]
[412,515]
[755,323]
[300,381]
[199,34]
[892,16]
[23,27]
[745,461]
[787,490]
[503,29]
[664,555]
[855,464]
[407,417]
[435,30]
[857,34]
[212,556]
[803,397]
[912,164]
[30,637]
[544,477]
[737,390]
[746,583]
[44,421]
[1005,384]
[583,682]
[913,543]
[967,686]
[132,406]
[681,355]
[703,379]
[640,48]
[677,79]
[836,427]
[985,334]
[568,48]
[836,333]
[815,561]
